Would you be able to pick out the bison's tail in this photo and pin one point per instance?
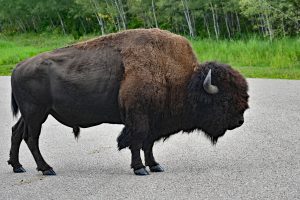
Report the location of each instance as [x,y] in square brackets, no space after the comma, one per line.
[14,105]
[123,139]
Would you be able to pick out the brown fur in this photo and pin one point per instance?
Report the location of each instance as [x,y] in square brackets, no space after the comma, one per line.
[155,61]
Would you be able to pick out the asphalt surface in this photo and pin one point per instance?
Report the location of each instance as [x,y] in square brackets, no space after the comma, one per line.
[260,160]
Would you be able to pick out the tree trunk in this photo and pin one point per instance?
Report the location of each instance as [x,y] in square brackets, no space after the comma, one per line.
[214,20]
[100,22]
[118,23]
[238,22]
[270,30]
[61,23]
[262,24]
[193,23]
[154,15]
[283,28]
[99,18]
[227,26]
[113,17]
[34,24]
[206,25]
[187,17]
[83,26]
[122,10]
[217,21]
[120,14]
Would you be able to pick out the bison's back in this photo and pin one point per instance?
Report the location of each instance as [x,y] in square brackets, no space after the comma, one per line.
[146,51]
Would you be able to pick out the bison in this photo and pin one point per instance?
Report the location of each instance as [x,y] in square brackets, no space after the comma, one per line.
[147,79]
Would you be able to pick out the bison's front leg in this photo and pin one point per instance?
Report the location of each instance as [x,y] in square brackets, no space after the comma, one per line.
[132,139]
[137,130]
[136,161]
[149,158]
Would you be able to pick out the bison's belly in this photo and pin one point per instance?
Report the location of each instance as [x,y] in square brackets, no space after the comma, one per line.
[86,107]
[86,114]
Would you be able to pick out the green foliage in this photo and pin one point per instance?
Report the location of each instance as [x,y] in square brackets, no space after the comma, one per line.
[198,18]
[255,52]
[253,57]
[273,18]
[14,49]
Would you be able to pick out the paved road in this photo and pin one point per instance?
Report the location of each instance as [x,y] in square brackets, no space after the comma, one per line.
[260,160]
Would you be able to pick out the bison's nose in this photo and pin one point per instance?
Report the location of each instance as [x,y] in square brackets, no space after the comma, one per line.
[241,122]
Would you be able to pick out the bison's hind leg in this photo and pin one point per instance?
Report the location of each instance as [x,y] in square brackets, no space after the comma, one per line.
[33,131]
[16,139]
[34,116]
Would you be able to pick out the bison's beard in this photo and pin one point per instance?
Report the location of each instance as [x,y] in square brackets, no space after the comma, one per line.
[214,140]
[214,137]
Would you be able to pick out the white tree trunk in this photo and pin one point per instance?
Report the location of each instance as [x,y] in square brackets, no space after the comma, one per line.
[120,14]
[154,15]
[270,29]
[214,20]
[227,25]
[187,17]
[206,25]
[99,18]
[238,22]
[61,23]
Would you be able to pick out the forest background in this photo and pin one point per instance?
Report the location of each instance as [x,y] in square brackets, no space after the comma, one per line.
[258,37]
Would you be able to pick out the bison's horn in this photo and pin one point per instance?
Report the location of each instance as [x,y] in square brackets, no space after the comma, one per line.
[208,87]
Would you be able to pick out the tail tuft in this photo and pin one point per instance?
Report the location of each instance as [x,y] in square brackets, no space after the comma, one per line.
[14,106]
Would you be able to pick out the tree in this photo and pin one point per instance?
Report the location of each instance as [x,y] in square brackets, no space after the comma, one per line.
[202,18]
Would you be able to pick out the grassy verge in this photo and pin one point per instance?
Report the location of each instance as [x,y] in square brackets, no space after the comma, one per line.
[14,49]
[266,72]
[254,58]
[5,70]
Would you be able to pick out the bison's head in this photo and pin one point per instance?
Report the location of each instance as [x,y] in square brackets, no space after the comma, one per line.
[218,98]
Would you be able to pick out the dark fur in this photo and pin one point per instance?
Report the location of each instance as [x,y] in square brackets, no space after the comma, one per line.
[76,131]
[148,80]
[14,106]
[201,111]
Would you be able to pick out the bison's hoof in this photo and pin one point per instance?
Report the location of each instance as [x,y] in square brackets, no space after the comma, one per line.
[141,172]
[49,172]
[156,168]
[19,170]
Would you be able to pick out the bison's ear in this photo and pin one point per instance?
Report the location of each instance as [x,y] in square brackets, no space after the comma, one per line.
[208,87]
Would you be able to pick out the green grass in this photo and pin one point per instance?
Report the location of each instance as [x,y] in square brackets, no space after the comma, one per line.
[5,70]
[14,49]
[255,58]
